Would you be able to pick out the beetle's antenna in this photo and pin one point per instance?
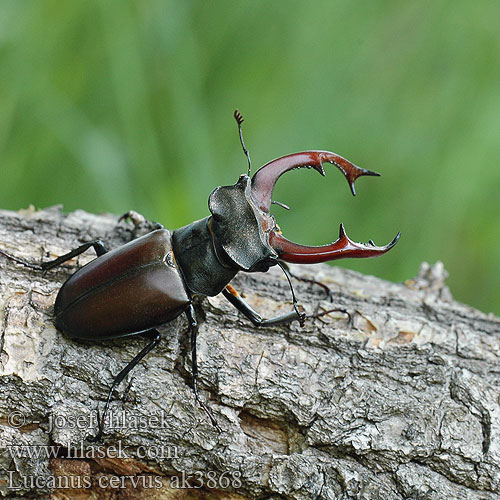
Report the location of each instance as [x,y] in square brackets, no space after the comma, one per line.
[301,315]
[239,120]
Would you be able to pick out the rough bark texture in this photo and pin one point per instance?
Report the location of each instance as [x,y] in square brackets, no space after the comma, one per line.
[396,399]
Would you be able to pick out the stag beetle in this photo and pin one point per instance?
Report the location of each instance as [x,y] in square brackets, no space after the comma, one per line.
[151,280]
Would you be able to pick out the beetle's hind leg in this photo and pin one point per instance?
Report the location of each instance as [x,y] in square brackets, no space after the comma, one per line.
[154,336]
[193,325]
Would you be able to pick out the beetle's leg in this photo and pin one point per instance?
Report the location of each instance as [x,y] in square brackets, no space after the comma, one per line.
[301,315]
[127,391]
[193,325]
[235,298]
[286,270]
[154,336]
[98,245]
[140,222]
[309,280]
[25,263]
[326,312]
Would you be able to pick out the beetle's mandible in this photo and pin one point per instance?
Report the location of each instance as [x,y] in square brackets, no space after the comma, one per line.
[151,280]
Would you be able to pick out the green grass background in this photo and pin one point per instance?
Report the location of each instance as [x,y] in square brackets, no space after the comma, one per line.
[116,105]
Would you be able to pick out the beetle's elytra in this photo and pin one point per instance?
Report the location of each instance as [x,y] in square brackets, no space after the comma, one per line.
[137,284]
[146,283]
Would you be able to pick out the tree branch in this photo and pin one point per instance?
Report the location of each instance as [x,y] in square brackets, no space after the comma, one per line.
[394,395]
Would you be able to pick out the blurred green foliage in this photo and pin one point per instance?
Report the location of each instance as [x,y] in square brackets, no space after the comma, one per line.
[116,105]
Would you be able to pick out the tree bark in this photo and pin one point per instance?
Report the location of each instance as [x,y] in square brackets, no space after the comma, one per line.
[394,395]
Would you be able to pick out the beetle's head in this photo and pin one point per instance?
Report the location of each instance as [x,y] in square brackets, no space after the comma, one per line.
[240,228]
[247,234]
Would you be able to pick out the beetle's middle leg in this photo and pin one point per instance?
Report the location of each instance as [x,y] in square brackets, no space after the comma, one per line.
[193,325]
[154,336]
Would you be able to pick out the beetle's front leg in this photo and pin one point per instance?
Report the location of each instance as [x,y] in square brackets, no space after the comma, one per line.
[235,298]
[308,280]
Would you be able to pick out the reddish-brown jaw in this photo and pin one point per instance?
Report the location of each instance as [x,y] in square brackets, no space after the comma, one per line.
[263,183]
[342,248]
